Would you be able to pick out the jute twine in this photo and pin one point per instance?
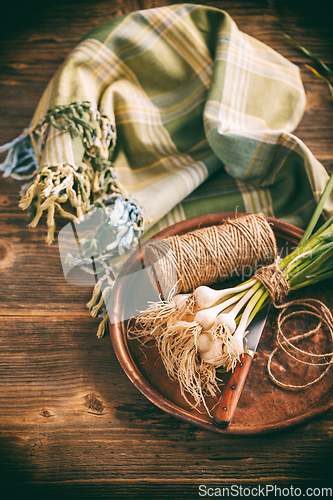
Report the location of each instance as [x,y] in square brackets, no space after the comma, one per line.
[275,282]
[208,255]
[315,309]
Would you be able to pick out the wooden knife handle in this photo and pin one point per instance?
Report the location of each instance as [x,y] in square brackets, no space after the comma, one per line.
[232,391]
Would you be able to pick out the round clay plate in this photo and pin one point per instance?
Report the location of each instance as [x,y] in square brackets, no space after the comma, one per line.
[263,406]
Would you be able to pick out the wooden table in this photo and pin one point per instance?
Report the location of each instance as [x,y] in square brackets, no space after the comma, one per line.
[71,422]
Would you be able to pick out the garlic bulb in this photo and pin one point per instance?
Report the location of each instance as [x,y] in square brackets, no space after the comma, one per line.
[206,317]
[204,342]
[228,322]
[206,297]
[210,348]
[180,299]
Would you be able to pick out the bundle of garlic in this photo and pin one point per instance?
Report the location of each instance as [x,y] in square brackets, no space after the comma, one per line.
[183,326]
[197,333]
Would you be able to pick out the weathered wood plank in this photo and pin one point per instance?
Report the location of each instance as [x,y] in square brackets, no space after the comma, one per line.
[77,399]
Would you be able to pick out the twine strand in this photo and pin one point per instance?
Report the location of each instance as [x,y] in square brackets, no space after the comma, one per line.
[310,307]
[274,281]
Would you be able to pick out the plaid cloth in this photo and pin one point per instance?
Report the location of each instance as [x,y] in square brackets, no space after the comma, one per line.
[201,112]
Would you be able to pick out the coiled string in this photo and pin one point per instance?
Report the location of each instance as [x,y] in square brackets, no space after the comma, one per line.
[310,307]
[277,285]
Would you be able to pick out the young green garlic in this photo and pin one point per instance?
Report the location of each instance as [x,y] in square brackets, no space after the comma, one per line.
[197,333]
[206,297]
[210,348]
[211,344]
[206,317]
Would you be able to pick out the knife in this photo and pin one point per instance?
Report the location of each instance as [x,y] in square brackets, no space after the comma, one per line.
[234,387]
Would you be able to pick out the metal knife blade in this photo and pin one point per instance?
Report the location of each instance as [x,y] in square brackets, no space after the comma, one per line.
[233,390]
[255,329]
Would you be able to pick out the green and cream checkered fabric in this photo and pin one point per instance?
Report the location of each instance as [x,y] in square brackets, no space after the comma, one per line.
[202,114]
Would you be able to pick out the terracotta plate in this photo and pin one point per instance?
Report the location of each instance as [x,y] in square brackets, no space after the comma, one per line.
[263,406]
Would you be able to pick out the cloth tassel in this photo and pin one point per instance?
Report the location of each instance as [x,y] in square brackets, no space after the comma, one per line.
[101,303]
[52,186]
[123,220]
[103,326]
[20,158]
[94,298]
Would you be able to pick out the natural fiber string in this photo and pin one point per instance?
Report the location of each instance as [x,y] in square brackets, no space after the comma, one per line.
[314,308]
[274,281]
[277,286]
[212,254]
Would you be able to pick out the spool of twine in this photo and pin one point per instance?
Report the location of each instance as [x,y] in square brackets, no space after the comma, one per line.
[238,247]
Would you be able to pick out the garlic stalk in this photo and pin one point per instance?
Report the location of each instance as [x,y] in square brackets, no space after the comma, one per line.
[228,320]
[210,344]
[206,317]
[206,297]
[234,348]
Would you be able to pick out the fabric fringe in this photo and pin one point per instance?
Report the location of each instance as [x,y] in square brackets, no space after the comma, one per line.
[103,327]
[86,187]
[20,162]
[52,186]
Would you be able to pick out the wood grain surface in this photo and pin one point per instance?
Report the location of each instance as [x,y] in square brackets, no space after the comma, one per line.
[72,425]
